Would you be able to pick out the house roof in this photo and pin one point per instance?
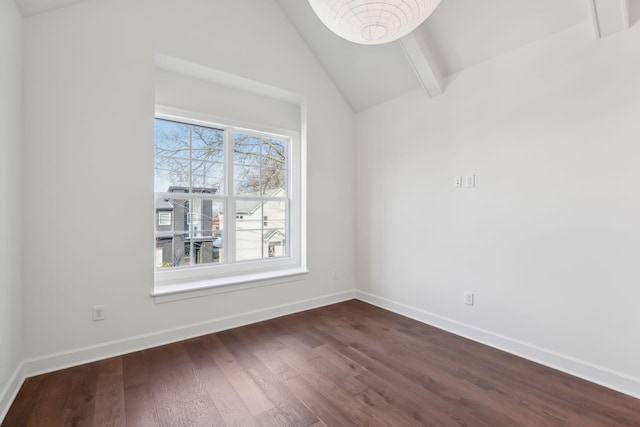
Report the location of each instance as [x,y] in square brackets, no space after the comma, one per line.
[163,205]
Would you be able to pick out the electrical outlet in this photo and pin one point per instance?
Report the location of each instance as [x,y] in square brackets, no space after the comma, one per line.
[457,182]
[468,298]
[334,275]
[98,312]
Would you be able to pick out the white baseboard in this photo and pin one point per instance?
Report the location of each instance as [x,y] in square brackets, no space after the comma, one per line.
[10,391]
[597,374]
[53,362]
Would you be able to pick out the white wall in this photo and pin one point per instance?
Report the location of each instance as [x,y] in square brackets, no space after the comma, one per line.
[549,238]
[220,101]
[88,205]
[10,187]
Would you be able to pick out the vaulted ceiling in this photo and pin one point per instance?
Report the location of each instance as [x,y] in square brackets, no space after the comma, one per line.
[457,36]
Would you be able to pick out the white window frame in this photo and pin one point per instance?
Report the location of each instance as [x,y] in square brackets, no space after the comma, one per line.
[204,279]
[164,219]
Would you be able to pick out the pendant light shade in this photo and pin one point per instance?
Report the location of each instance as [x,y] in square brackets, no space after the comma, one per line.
[373,21]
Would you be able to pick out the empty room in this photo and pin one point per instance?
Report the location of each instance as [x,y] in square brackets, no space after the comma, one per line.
[320,213]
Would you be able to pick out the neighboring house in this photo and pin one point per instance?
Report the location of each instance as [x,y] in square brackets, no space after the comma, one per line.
[261,228]
[190,231]
[187,231]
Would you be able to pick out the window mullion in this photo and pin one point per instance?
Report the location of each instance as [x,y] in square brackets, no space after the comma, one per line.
[262,194]
[293,212]
[230,205]
[192,258]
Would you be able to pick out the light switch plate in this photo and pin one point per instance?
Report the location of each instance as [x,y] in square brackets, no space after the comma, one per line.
[470,181]
[468,298]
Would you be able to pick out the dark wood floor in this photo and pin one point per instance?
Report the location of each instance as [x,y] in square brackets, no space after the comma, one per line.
[349,364]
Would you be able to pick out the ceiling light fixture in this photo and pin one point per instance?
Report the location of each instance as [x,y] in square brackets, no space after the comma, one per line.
[373,21]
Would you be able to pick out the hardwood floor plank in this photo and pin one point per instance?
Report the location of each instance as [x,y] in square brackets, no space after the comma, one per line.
[337,358]
[321,407]
[273,418]
[425,408]
[331,391]
[247,389]
[342,379]
[275,364]
[259,335]
[387,413]
[196,412]
[109,408]
[67,398]
[347,364]
[25,402]
[179,395]
[140,408]
[164,357]
[286,402]
[327,339]
[135,369]
[231,408]
[177,384]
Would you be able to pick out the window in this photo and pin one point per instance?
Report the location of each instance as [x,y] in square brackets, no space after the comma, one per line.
[164,218]
[227,203]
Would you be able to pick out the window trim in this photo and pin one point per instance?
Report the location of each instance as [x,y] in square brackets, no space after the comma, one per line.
[164,219]
[238,275]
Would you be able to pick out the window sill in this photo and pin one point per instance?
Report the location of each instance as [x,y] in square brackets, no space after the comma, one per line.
[204,287]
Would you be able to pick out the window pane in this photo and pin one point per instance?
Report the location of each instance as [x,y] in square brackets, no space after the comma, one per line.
[246,150]
[248,229]
[275,228]
[248,245]
[246,180]
[251,213]
[260,165]
[274,214]
[188,156]
[275,242]
[207,177]
[274,166]
[194,236]
[207,144]
[260,229]
[171,172]
[172,139]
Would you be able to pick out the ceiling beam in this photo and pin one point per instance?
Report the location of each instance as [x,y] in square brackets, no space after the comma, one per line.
[423,63]
[609,16]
